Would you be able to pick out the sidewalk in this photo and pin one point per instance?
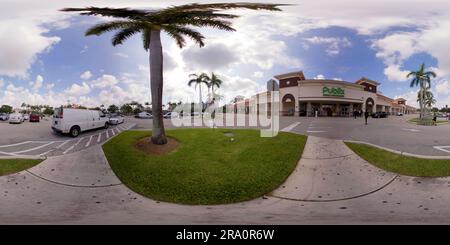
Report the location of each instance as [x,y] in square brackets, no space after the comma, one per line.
[330,171]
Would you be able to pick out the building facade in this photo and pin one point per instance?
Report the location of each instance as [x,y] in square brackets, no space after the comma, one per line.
[308,97]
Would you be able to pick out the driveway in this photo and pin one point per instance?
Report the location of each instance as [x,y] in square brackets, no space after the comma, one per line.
[393,132]
[55,144]
[80,188]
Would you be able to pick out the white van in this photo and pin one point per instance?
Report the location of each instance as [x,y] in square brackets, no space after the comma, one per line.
[75,121]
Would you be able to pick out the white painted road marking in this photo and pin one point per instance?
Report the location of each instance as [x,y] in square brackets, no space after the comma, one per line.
[411,129]
[61,145]
[73,146]
[107,135]
[442,148]
[113,133]
[35,148]
[21,143]
[99,137]
[314,131]
[89,142]
[290,127]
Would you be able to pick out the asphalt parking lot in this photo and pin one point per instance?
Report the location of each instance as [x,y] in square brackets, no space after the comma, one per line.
[38,139]
[393,132]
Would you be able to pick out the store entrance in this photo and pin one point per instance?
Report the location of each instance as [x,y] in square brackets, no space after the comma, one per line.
[328,110]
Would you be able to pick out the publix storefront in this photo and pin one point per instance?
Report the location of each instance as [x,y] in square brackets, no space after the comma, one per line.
[308,97]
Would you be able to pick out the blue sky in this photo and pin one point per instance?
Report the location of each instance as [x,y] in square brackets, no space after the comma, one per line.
[46,59]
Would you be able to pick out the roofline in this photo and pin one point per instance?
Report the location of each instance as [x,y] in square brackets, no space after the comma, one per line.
[365,79]
[290,75]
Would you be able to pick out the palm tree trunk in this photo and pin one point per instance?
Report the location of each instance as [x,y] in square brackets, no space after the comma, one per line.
[200,94]
[156,85]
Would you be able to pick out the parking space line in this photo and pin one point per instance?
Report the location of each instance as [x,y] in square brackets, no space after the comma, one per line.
[290,127]
[99,137]
[73,146]
[35,148]
[8,153]
[61,145]
[89,142]
[21,143]
[113,133]
[442,148]
[107,134]
[313,131]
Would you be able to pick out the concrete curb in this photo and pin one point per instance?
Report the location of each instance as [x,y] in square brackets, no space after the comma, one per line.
[398,152]
[24,157]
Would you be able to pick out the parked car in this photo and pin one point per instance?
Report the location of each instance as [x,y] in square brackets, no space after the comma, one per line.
[35,117]
[75,121]
[380,114]
[144,115]
[26,117]
[4,116]
[16,118]
[116,118]
[170,114]
[399,114]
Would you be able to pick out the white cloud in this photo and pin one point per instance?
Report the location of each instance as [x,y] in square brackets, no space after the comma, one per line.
[86,75]
[78,90]
[2,83]
[122,55]
[258,74]
[394,73]
[104,81]
[211,57]
[319,77]
[335,44]
[50,86]
[443,87]
[38,83]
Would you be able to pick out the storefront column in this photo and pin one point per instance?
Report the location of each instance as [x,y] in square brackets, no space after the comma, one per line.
[338,109]
[308,109]
[350,108]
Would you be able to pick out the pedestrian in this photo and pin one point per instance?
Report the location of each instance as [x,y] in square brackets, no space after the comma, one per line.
[366,115]
[354,114]
[434,119]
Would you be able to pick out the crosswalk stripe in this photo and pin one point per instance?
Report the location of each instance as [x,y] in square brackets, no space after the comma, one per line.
[35,148]
[73,146]
[89,142]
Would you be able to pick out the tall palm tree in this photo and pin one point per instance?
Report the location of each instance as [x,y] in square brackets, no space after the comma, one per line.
[422,79]
[428,98]
[198,80]
[178,23]
[214,81]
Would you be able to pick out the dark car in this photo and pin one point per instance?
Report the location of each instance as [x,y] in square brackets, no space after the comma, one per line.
[380,114]
[35,117]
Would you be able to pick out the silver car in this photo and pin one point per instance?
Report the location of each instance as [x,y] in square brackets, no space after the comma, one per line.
[115,119]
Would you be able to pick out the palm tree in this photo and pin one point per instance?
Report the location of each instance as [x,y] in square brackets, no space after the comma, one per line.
[428,98]
[214,81]
[197,80]
[421,78]
[178,23]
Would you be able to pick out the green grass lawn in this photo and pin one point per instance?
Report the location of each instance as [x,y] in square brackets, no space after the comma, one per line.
[10,166]
[207,168]
[428,122]
[402,164]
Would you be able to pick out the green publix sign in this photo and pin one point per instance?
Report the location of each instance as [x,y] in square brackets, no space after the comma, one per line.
[338,92]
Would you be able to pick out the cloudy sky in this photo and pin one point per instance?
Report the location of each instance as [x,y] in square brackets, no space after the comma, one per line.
[46,59]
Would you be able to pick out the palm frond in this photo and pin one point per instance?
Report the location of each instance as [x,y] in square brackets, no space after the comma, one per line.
[108,26]
[109,12]
[227,6]
[179,31]
[146,34]
[124,34]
